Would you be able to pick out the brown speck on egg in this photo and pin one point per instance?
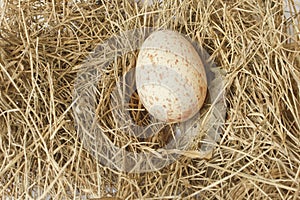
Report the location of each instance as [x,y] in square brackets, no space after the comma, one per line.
[150,56]
[160,76]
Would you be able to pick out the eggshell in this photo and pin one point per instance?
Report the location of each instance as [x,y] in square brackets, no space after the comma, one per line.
[170,77]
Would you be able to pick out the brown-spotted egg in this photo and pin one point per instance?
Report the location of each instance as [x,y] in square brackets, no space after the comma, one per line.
[170,77]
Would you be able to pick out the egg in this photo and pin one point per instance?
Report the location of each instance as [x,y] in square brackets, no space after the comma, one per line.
[170,77]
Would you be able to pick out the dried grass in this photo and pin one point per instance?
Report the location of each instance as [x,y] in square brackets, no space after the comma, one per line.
[43,46]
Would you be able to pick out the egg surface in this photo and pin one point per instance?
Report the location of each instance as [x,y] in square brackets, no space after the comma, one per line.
[170,77]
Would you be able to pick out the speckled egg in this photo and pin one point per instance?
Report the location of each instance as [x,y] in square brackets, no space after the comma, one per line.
[170,77]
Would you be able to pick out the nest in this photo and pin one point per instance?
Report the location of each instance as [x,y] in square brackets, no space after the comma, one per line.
[46,53]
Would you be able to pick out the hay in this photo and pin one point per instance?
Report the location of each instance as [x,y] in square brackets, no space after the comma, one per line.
[43,46]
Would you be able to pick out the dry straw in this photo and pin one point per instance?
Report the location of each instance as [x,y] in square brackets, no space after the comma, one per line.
[43,46]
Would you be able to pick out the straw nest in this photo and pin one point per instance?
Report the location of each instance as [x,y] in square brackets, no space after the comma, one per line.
[45,44]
